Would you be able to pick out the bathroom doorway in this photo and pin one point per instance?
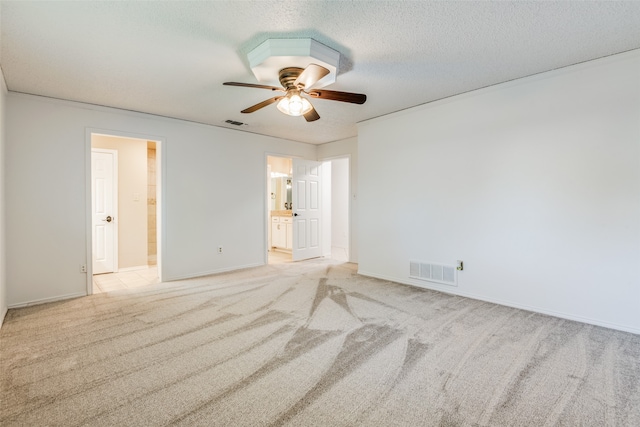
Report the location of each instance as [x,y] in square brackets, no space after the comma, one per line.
[279,209]
[335,218]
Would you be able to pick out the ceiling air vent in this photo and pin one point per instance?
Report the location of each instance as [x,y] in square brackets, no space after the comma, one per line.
[431,272]
[234,122]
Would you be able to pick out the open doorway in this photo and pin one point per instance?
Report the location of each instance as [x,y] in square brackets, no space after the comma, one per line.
[282,222]
[279,206]
[124,213]
[338,211]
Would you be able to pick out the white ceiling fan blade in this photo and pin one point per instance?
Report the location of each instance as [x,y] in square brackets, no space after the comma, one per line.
[310,76]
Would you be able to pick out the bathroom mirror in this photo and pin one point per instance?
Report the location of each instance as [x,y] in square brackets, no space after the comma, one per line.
[281,193]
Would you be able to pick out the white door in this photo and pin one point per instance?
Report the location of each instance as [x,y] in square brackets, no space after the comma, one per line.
[103,207]
[306,198]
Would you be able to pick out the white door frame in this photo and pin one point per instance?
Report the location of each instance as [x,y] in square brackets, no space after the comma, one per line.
[114,203]
[160,193]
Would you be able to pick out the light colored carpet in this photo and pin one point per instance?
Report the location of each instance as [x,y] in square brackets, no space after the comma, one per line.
[309,344]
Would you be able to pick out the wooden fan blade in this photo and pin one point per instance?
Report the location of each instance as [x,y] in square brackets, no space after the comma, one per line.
[354,98]
[312,115]
[310,76]
[262,104]
[252,85]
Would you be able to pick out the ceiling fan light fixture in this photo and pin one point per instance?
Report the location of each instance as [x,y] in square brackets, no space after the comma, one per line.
[294,83]
[294,105]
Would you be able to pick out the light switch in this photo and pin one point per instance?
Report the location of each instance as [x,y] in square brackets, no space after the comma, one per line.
[136,197]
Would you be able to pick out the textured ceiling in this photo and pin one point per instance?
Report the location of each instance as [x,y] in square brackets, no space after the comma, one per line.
[170,58]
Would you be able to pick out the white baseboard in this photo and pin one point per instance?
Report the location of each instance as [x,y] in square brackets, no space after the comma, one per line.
[46,300]
[456,291]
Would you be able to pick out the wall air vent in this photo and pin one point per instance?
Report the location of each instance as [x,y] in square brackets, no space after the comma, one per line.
[431,272]
[234,122]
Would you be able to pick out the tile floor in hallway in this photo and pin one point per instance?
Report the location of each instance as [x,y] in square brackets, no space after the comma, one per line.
[276,257]
[125,279]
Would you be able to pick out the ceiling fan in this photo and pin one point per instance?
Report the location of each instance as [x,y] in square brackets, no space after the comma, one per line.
[296,82]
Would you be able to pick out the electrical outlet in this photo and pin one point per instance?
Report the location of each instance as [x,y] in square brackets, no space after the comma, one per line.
[219,249]
[83,268]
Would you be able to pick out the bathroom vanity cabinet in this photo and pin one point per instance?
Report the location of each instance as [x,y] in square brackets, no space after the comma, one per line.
[282,232]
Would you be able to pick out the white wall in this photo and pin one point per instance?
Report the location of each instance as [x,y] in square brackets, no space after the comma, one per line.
[213,193]
[3,283]
[534,184]
[347,148]
[340,205]
[132,198]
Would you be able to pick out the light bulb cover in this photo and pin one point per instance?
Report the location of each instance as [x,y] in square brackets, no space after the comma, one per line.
[294,105]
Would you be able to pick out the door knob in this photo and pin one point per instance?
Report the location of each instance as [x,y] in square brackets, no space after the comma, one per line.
[295,214]
[108,218]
